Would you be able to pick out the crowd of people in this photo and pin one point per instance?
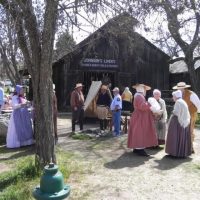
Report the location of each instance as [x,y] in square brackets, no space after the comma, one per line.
[149,125]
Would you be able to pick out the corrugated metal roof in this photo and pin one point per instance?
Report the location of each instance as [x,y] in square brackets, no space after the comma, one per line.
[181,67]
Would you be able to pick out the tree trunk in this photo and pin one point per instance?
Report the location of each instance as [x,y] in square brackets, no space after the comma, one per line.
[43,121]
[43,91]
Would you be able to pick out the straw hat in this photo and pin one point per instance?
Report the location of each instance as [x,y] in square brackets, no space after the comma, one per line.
[181,85]
[146,87]
[104,87]
[78,85]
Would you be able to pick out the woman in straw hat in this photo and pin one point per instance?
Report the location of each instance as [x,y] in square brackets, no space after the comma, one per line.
[193,103]
[178,141]
[141,132]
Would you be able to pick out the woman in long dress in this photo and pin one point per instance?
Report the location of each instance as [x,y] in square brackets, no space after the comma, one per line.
[141,131]
[160,117]
[178,142]
[20,131]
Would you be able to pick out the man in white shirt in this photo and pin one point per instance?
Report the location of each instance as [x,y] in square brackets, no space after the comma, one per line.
[116,107]
[193,103]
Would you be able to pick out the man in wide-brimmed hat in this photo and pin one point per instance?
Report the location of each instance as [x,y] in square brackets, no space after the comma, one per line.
[193,103]
[141,131]
[103,103]
[77,103]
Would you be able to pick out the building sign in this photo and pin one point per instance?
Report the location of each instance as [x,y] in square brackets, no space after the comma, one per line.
[101,63]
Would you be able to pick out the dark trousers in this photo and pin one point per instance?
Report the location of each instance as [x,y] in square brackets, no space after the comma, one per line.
[77,116]
[55,125]
[103,124]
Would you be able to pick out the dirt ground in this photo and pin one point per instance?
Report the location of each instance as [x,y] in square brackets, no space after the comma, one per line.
[113,172]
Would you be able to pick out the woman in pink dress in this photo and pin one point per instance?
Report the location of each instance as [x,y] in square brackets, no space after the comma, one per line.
[141,132]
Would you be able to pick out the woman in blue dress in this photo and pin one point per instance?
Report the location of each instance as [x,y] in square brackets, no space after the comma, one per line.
[20,132]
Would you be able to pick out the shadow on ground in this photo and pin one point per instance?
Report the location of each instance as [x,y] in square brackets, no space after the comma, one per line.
[127,159]
[168,162]
[9,154]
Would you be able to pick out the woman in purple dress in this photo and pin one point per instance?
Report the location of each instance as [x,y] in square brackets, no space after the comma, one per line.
[20,132]
[178,142]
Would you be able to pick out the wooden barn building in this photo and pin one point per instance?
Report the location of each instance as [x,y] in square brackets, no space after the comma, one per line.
[114,54]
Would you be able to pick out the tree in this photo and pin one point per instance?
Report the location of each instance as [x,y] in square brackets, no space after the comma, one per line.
[65,43]
[9,50]
[183,23]
[36,44]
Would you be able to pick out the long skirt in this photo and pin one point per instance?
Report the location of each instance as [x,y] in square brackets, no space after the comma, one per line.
[102,112]
[20,132]
[161,131]
[178,141]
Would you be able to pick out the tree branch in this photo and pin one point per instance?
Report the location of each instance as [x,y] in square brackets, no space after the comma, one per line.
[173,24]
[17,17]
[195,39]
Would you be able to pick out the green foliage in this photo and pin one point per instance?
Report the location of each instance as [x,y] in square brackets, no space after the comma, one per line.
[64,45]
[198,119]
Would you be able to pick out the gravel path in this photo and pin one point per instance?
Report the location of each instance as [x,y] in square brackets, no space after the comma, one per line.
[110,171]
[113,172]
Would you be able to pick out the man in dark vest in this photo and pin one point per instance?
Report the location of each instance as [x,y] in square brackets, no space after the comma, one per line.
[77,103]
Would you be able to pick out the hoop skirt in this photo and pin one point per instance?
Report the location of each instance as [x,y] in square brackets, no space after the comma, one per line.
[20,132]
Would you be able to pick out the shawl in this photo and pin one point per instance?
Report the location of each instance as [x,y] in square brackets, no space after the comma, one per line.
[182,112]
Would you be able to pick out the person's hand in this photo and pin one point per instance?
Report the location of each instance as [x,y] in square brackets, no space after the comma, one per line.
[75,108]
[23,105]
[157,116]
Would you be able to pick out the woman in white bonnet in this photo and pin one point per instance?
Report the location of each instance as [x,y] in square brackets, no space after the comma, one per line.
[178,141]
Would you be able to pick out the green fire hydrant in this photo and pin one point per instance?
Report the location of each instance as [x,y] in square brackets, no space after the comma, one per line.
[51,185]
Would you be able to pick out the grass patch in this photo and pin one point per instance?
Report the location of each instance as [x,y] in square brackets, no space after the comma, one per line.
[80,136]
[19,183]
[198,119]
